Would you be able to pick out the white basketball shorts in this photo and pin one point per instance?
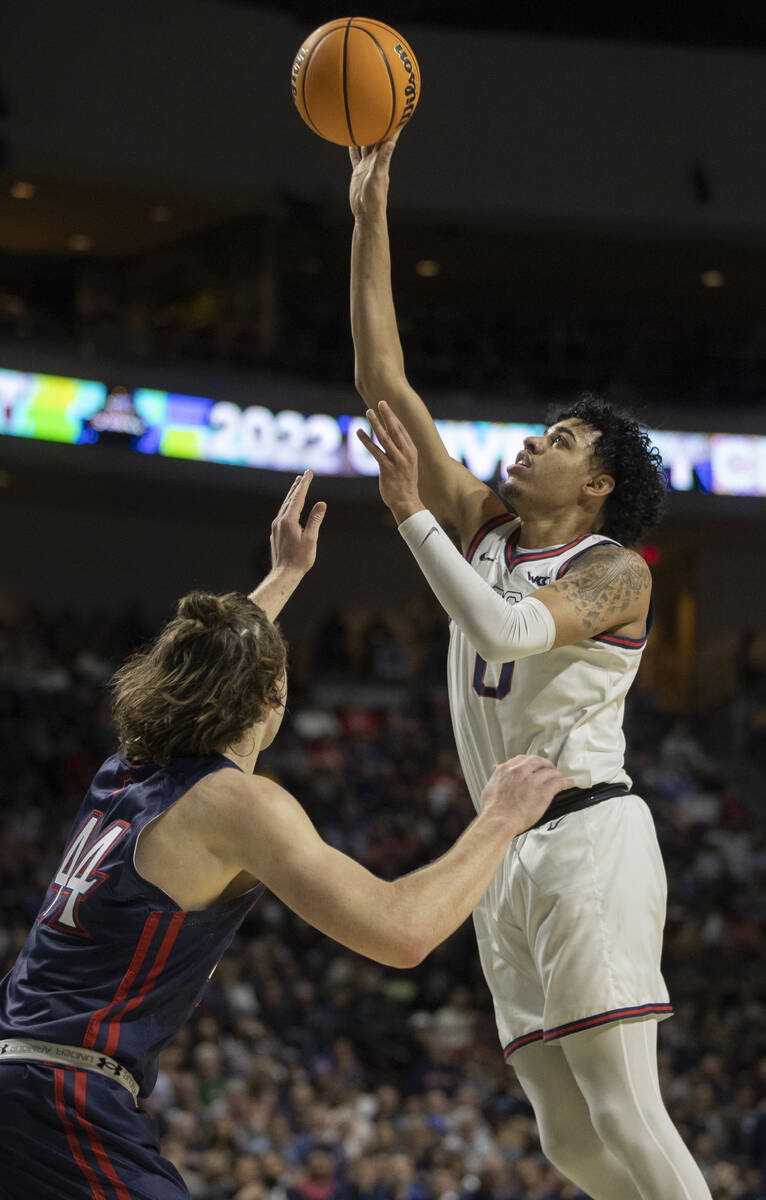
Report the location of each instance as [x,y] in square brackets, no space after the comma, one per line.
[570,929]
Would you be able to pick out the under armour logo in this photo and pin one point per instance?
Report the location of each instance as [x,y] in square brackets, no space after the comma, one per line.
[106,1065]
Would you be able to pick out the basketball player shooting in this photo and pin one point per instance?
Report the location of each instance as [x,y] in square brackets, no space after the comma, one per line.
[174,843]
[550,610]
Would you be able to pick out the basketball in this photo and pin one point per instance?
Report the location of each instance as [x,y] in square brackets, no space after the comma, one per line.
[355,81]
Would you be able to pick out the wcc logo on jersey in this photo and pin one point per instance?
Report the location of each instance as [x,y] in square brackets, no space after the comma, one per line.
[77,876]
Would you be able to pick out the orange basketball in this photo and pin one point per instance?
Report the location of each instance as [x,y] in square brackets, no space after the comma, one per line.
[355,81]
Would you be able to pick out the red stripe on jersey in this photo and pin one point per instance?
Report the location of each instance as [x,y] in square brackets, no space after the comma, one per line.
[483,530]
[628,643]
[166,946]
[97,1192]
[102,1158]
[570,561]
[147,933]
[513,558]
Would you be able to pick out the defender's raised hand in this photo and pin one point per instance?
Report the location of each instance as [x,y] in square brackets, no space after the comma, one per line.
[293,546]
[397,457]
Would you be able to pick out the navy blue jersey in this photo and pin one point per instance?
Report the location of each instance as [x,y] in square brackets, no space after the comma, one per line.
[112,963]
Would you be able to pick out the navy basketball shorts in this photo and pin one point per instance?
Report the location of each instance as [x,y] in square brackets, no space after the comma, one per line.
[69,1134]
[570,928]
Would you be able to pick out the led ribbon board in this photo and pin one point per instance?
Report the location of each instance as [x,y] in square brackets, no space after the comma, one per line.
[145,421]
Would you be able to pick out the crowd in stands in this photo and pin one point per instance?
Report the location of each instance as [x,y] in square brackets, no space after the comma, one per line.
[308,1073]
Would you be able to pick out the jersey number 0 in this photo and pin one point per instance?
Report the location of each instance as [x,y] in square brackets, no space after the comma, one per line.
[497,691]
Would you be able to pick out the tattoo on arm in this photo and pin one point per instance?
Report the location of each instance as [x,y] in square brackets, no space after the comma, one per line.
[605,586]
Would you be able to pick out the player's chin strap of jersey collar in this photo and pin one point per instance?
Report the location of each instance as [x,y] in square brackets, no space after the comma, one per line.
[68,1056]
[573,799]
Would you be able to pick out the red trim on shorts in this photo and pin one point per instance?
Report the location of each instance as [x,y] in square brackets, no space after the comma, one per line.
[147,933]
[614,1014]
[484,529]
[166,946]
[524,1040]
[97,1192]
[97,1146]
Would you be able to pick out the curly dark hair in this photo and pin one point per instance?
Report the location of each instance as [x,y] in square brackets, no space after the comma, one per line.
[624,450]
[212,672]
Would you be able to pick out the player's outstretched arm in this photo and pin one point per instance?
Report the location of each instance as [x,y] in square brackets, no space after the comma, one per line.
[293,548]
[455,495]
[259,827]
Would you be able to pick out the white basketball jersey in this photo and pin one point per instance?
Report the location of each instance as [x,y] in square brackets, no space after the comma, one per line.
[566,704]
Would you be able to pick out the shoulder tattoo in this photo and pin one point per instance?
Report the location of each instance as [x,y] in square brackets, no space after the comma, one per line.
[605,585]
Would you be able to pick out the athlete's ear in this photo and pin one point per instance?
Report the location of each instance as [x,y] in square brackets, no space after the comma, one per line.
[600,485]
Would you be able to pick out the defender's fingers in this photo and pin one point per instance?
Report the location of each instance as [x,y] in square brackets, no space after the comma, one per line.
[552,779]
[297,495]
[354,155]
[316,516]
[304,480]
[536,762]
[288,495]
[526,762]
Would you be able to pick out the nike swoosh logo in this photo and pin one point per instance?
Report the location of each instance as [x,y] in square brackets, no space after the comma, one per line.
[487,558]
[433,529]
[554,824]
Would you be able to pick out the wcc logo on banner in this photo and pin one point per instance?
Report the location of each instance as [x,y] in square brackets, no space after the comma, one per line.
[78,876]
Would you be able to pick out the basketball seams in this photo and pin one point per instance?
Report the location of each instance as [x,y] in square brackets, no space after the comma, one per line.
[384,56]
[332,27]
[405,45]
[343,94]
[394,34]
[304,73]
[344,75]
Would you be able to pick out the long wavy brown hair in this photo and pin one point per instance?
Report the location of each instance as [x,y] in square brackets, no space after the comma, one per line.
[211,673]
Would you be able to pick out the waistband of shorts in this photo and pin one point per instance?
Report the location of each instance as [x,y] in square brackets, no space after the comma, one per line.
[68,1056]
[573,799]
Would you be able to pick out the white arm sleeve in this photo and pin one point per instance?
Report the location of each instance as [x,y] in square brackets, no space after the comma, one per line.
[499,631]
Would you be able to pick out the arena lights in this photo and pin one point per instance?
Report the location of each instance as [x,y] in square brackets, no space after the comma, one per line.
[88,413]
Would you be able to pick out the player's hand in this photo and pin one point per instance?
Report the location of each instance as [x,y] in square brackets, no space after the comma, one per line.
[369,179]
[522,788]
[397,457]
[293,546]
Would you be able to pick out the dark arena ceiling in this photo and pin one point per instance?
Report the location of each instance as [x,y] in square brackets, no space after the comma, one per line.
[738,23]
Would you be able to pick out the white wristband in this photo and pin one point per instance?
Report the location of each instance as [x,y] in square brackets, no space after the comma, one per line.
[499,631]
